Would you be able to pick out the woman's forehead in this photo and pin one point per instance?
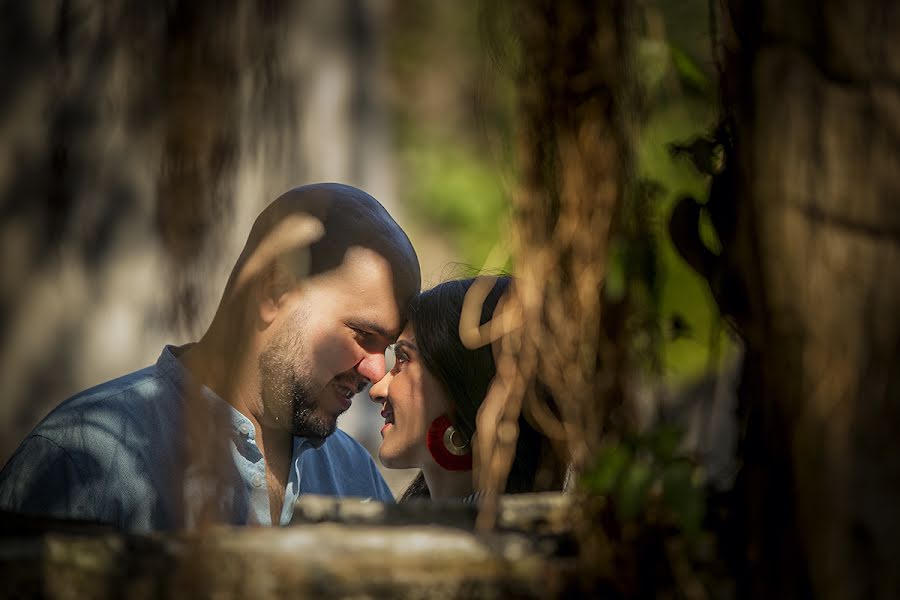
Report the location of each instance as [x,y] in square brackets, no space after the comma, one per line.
[408,334]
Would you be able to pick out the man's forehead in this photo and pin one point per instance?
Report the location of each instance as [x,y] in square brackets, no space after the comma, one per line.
[373,297]
[382,262]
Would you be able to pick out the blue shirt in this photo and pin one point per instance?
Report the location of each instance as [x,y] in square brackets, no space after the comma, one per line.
[118,453]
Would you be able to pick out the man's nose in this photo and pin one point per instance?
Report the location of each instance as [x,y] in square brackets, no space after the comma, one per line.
[372,366]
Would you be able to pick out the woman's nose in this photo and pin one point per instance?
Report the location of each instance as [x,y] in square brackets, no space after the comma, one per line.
[379,390]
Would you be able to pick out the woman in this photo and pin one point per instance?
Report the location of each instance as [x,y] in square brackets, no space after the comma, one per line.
[431,396]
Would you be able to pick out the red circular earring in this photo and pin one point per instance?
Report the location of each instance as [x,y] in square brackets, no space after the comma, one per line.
[449,449]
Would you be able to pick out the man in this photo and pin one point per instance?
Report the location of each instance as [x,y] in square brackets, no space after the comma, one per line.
[234,427]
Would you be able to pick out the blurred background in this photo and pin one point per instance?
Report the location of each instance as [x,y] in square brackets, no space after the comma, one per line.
[140,140]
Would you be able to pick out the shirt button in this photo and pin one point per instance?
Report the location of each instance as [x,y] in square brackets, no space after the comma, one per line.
[256,480]
[244,428]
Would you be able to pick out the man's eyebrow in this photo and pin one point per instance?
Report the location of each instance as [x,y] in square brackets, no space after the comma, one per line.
[373,327]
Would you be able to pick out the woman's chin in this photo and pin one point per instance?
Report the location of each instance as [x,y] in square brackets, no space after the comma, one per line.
[393,461]
[389,462]
[386,459]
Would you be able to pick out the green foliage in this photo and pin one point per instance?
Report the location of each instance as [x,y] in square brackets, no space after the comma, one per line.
[689,72]
[708,234]
[453,189]
[452,115]
[615,284]
[646,478]
[607,470]
[653,63]
[631,493]
[664,442]
[686,308]
[674,157]
[705,153]
[683,497]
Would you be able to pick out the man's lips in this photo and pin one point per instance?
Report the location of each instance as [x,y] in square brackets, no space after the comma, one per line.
[344,394]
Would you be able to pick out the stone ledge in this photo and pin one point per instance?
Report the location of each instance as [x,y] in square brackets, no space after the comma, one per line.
[543,513]
[372,551]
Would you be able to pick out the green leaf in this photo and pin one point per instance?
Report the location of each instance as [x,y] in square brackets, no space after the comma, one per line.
[615,282]
[683,497]
[608,468]
[688,69]
[705,153]
[631,496]
[665,442]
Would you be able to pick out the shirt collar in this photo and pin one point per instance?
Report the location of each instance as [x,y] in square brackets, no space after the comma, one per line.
[241,427]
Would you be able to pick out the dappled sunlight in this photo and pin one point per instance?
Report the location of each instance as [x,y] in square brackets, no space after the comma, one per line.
[671,232]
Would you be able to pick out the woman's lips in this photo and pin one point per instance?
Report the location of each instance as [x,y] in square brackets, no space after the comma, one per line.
[388,415]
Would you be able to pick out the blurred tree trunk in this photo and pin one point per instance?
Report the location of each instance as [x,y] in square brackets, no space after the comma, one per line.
[573,156]
[813,90]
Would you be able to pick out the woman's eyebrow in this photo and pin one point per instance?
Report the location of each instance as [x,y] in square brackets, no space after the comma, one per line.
[403,344]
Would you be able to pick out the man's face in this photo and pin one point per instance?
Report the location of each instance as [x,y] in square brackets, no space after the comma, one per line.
[327,343]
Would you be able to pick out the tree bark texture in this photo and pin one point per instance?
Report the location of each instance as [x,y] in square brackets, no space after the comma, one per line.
[813,92]
[573,159]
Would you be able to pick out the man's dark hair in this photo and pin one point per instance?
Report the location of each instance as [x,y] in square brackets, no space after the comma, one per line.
[306,232]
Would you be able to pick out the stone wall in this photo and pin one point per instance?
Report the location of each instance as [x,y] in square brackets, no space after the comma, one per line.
[333,549]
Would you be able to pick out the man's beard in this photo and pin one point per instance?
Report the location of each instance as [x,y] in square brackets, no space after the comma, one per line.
[288,390]
[306,418]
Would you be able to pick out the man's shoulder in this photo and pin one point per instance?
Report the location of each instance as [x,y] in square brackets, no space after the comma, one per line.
[99,455]
[130,397]
[131,382]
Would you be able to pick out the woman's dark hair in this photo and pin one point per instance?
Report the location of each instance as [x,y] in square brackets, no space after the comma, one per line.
[465,374]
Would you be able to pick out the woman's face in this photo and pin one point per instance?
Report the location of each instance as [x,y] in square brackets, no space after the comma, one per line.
[411,398]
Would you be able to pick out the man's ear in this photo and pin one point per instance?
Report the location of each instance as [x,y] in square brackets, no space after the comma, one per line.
[274,283]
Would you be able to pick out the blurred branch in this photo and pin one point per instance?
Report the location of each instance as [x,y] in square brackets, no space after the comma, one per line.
[573,156]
